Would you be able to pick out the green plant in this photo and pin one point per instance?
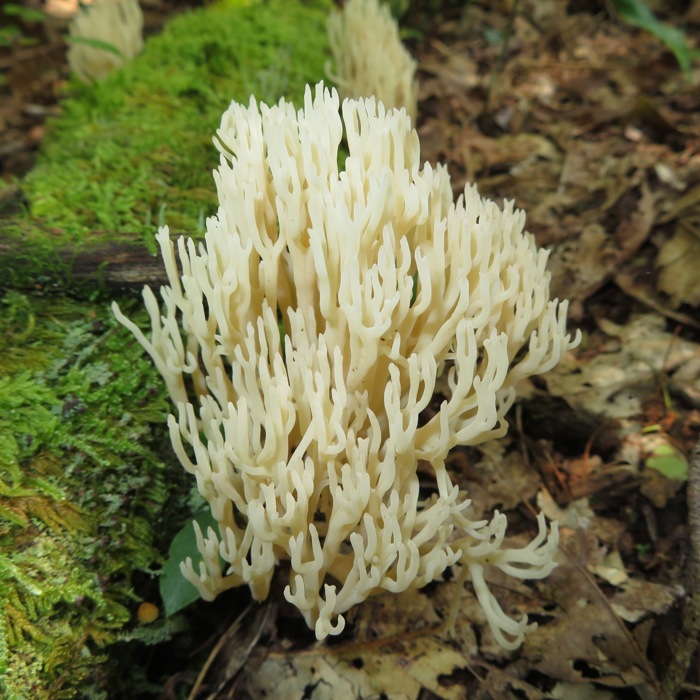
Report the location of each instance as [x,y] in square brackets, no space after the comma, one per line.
[638,14]
[12,34]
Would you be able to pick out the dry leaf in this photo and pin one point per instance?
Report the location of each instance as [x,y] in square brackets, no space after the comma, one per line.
[396,653]
[677,262]
[624,372]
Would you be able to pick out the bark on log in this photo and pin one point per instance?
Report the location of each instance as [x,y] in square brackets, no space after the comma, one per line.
[110,265]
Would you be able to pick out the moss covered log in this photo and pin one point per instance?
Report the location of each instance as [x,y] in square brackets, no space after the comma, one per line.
[90,496]
[135,150]
[83,491]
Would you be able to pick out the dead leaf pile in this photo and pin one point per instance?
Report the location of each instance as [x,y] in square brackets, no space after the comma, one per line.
[594,131]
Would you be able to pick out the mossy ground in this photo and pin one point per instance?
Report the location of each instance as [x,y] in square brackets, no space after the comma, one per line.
[83,487]
[135,150]
[90,494]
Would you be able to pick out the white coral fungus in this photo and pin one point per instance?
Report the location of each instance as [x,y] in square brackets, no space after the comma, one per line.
[116,24]
[370,59]
[301,343]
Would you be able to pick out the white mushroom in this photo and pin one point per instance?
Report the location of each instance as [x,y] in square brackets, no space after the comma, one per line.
[370,59]
[301,343]
[103,36]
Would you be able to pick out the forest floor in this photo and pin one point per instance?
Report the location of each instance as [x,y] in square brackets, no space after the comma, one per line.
[593,129]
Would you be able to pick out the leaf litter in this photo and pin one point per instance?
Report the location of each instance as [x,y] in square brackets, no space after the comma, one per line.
[594,131]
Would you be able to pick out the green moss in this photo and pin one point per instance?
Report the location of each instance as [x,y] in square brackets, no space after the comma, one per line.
[85,500]
[90,496]
[136,150]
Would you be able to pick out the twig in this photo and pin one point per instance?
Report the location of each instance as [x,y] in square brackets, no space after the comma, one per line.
[642,659]
[686,641]
[217,648]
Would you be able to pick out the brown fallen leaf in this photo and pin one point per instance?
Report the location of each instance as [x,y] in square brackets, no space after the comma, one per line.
[677,265]
[638,599]
[624,372]
[581,266]
[396,651]
[584,640]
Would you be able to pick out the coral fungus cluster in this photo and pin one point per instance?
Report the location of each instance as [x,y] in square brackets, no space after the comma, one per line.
[301,343]
[103,36]
[370,59]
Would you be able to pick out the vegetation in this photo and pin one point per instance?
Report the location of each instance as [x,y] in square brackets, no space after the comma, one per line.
[81,416]
[88,505]
[135,150]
